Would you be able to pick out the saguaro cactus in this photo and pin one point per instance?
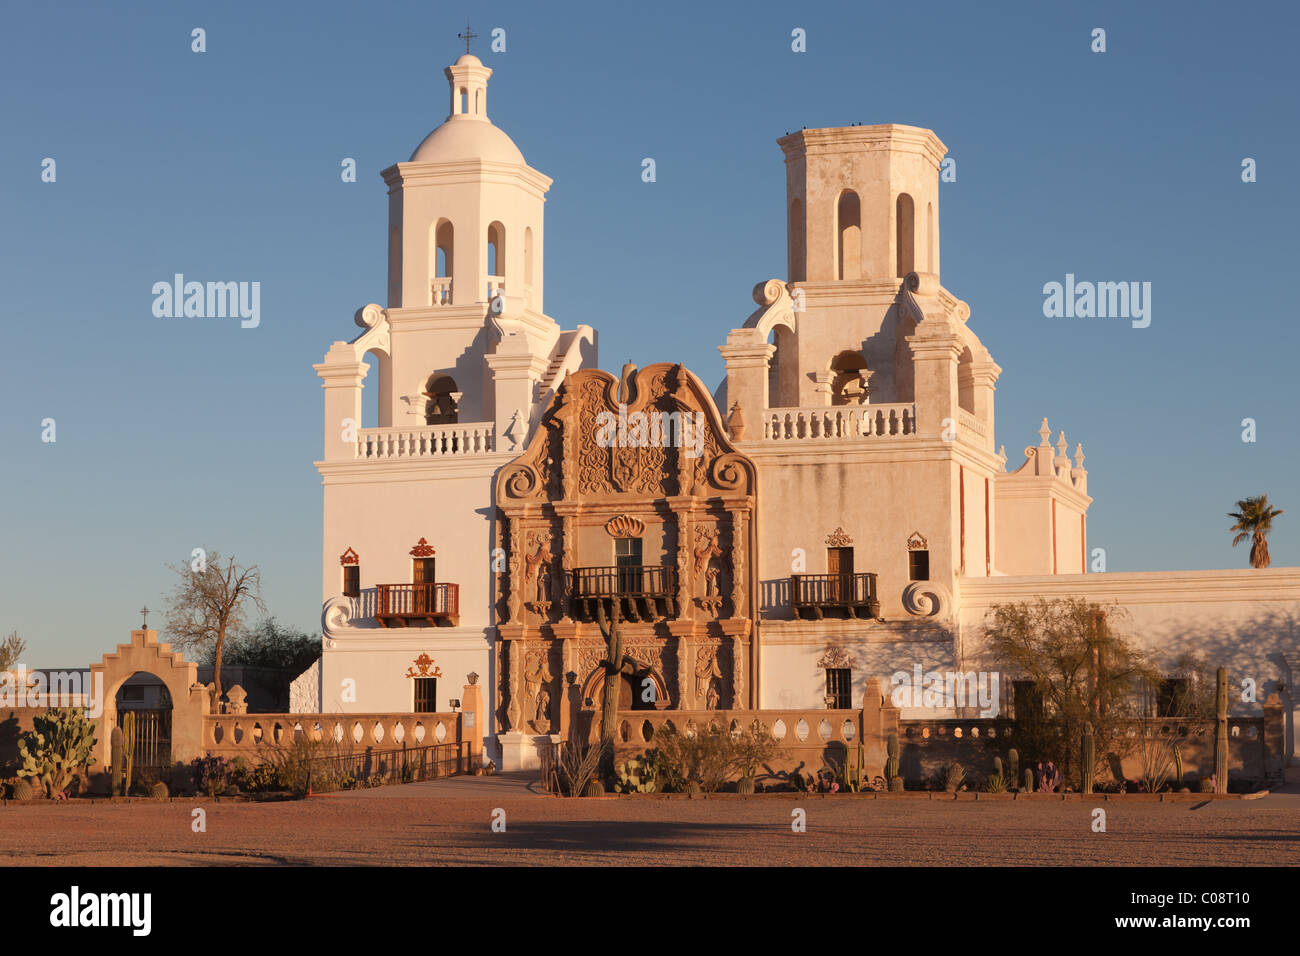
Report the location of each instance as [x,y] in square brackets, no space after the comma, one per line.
[1221,731]
[1178,764]
[117,771]
[891,760]
[1013,765]
[1089,757]
[1029,780]
[616,664]
[128,745]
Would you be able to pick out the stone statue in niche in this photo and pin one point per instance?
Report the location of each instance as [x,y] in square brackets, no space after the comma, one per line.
[707,676]
[537,563]
[542,719]
[712,599]
[537,679]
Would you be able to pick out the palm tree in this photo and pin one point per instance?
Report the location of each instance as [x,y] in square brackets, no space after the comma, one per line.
[1254,520]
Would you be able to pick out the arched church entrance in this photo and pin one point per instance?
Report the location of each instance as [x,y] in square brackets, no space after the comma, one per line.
[146,696]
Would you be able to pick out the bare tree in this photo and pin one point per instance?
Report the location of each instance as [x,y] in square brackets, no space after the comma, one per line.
[208,603]
[12,648]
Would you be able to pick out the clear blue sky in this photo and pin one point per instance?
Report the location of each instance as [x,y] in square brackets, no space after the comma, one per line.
[179,433]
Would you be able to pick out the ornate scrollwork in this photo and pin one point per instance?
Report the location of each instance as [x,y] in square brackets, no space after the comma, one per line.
[368,316]
[834,658]
[927,599]
[522,481]
[624,526]
[336,615]
[766,293]
[728,473]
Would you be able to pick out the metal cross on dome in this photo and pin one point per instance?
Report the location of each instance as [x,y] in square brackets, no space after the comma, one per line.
[468,35]
[145,611]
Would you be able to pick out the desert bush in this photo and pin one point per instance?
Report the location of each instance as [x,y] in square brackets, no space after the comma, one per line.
[950,776]
[1058,645]
[211,775]
[1157,765]
[577,765]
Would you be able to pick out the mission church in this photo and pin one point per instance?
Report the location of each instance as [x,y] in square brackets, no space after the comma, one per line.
[841,513]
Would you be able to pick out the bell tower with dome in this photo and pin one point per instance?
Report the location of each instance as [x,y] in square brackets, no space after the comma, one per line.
[464,360]
[466,211]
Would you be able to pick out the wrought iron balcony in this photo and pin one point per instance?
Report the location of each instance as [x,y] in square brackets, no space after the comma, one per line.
[642,592]
[854,595]
[417,605]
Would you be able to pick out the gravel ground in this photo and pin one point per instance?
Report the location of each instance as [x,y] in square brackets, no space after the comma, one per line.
[448,822]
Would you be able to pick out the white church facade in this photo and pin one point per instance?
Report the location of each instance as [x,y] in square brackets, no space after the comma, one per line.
[836,510]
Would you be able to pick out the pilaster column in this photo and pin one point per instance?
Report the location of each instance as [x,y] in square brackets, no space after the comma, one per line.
[935,352]
[748,360]
[341,377]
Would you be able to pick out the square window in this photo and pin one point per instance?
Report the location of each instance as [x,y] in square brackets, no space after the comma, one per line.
[426,695]
[839,687]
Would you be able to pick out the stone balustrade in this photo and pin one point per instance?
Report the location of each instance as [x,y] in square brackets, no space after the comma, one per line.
[429,441]
[256,735]
[440,291]
[839,422]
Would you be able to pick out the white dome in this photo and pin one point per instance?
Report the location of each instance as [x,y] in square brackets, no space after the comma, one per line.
[464,137]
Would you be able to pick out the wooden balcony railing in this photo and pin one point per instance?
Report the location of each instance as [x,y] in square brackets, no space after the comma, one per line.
[853,594]
[411,605]
[643,592]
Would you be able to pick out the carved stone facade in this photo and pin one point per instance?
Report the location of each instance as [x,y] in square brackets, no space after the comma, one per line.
[630,496]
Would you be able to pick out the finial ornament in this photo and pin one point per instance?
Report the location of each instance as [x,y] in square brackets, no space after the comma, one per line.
[1061,444]
[468,36]
[1044,432]
[1078,455]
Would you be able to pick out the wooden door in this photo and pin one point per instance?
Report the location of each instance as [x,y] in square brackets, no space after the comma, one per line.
[839,565]
[422,574]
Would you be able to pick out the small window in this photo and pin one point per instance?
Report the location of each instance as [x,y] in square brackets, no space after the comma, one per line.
[918,565]
[627,558]
[426,695]
[1172,697]
[351,580]
[1026,701]
[839,688]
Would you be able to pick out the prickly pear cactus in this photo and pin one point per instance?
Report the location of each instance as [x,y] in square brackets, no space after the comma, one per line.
[636,775]
[58,745]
